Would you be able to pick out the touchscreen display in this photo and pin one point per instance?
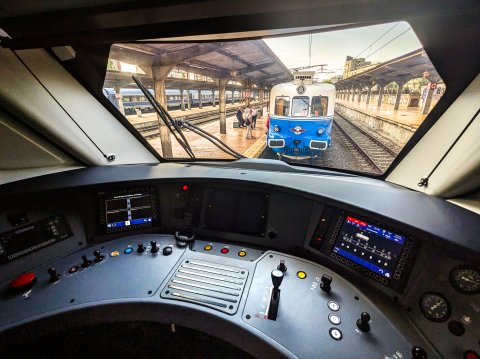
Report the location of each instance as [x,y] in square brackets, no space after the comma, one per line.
[129,209]
[369,246]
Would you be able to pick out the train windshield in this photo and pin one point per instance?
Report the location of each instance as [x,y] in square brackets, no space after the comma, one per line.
[347,99]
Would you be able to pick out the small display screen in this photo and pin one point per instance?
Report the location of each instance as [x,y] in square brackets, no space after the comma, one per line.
[129,209]
[371,247]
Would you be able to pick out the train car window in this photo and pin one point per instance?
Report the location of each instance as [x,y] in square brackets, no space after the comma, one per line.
[319,106]
[300,105]
[282,105]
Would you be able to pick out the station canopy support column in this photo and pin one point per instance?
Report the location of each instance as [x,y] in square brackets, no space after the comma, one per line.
[200,105]
[428,99]
[222,82]
[189,100]
[213,98]
[399,94]
[262,99]
[369,93]
[159,74]
[381,85]
[360,89]
[119,100]
[353,93]
[182,100]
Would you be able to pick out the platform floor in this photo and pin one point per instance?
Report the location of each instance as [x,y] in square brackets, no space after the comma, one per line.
[235,138]
[410,116]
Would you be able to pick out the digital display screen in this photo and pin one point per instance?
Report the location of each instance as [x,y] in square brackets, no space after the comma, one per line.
[371,247]
[129,209]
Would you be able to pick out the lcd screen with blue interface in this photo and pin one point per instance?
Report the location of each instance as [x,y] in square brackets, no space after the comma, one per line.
[371,247]
[129,210]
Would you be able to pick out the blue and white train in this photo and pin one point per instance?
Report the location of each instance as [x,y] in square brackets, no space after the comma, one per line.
[301,118]
[134,99]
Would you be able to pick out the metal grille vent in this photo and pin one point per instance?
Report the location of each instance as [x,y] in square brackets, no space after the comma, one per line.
[209,284]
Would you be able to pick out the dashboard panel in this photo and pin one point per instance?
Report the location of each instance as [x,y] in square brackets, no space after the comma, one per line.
[216,241]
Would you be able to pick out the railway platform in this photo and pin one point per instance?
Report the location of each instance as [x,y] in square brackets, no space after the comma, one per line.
[235,137]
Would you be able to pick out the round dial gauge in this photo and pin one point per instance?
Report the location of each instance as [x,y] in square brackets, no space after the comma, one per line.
[435,307]
[465,279]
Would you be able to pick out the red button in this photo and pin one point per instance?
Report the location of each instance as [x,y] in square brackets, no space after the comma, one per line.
[224,250]
[25,280]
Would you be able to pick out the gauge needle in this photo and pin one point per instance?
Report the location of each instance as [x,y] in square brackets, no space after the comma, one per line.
[470,280]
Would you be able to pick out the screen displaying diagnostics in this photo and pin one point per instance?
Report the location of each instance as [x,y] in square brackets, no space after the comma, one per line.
[129,210]
[371,247]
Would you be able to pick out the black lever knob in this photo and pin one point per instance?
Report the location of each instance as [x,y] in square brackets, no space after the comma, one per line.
[362,323]
[167,251]
[86,263]
[98,256]
[141,248]
[54,276]
[418,353]
[155,248]
[282,267]
[325,284]
[277,278]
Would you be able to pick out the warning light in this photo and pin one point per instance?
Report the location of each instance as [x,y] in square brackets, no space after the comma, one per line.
[224,250]
[185,187]
[301,274]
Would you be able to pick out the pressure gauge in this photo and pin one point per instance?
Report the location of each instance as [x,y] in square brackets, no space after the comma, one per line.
[435,307]
[465,279]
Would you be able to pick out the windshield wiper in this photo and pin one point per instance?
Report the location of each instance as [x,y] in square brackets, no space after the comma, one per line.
[178,124]
[166,118]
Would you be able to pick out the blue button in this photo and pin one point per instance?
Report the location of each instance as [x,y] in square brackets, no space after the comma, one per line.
[128,250]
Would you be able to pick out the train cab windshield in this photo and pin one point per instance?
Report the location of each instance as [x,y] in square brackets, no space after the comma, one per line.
[347,99]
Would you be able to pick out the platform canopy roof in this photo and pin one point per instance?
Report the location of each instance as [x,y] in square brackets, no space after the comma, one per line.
[251,61]
[402,69]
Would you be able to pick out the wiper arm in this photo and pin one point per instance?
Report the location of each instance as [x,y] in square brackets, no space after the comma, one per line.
[166,118]
[216,141]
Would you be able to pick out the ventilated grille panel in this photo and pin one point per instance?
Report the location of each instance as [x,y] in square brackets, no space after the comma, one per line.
[209,284]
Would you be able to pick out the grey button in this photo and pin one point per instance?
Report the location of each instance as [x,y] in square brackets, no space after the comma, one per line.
[334,319]
[333,305]
[335,333]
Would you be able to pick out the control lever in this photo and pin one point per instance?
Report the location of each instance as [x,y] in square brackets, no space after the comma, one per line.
[362,323]
[86,262]
[418,353]
[141,248]
[325,284]
[277,278]
[282,267]
[54,276]
[155,248]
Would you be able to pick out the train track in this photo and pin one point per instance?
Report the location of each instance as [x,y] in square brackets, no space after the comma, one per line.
[149,129]
[369,149]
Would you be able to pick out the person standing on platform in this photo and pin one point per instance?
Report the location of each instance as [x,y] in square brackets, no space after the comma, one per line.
[241,122]
[248,122]
[254,117]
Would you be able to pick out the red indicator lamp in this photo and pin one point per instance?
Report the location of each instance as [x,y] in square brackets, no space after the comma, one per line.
[224,250]
[185,188]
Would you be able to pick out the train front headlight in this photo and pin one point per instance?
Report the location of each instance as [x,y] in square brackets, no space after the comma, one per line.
[320,131]
[276,128]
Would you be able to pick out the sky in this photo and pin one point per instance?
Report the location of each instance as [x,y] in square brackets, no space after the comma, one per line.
[332,48]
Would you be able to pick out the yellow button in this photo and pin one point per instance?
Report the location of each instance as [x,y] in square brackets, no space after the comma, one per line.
[301,274]
[242,253]
[207,247]
[114,253]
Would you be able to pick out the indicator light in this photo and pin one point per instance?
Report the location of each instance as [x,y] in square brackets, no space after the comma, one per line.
[224,250]
[242,254]
[128,250]
[208,247]
[185,187]
[114,253]
[301,274]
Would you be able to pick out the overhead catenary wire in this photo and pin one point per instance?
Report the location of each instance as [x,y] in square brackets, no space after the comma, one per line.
[373,43]
[396,37]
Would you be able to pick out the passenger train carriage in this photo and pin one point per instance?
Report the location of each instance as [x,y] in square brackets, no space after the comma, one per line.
[301,117]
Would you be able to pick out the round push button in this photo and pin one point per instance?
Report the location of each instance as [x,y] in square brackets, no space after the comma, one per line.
[335,333]
[242,254]
[208,247]
[333,305]
[23,281]
[456,328]
[72,269]
[301,274]
[128,250]
[224,250]
[114,253]
[334,319]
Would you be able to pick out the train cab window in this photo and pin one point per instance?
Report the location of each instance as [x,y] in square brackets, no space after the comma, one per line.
[319,106]
[282,105]
[300,105]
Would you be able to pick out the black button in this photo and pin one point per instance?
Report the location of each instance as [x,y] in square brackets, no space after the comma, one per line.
[456,328]
[167,251]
